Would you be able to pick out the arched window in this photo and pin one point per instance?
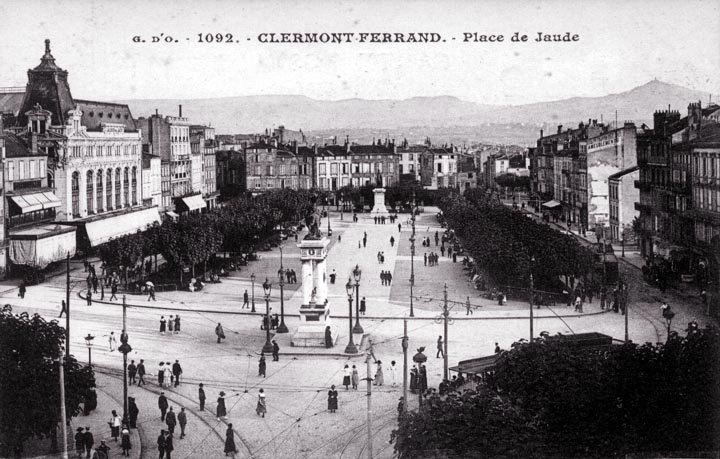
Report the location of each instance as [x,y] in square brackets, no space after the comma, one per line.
[118,196]
[126,191]
[75,187]
[108,190]
[99,190]
[89,192]
[134,186]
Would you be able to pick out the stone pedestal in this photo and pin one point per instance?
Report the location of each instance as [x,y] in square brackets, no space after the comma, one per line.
[379,204]
[314,311]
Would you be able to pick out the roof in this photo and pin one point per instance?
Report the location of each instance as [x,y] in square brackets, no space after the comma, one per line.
[15,147]
[261,146]
[332,150]
[371,150]
[617,175]
[95,113]
[10,102]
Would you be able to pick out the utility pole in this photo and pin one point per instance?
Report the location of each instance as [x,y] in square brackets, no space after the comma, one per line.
[412,257]
[405,365]
[63,416]
[445,318]
[124,344]
[625,307]
[532,262]
[369,407]
[67,303]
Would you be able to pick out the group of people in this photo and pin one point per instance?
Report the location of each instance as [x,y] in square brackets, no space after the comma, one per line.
[290,275]
[169,374]
[172,325]
[274,322]
[418,379]
[381,219]
[381,257]
[431,259]
[386,277]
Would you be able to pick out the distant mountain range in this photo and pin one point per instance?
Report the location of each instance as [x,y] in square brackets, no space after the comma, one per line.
[445,118]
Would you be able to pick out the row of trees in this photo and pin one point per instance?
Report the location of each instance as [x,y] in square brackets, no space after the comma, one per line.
[192,240]
[503,243]
[550,400]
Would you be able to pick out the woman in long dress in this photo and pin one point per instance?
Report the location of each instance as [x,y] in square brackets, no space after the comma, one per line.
[355,377]
[261,408]
[221,410]
[332,399]
[230,441]
[379,378]
[346,377]
[167,377]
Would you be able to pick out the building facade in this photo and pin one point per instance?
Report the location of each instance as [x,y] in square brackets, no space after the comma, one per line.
[623,195]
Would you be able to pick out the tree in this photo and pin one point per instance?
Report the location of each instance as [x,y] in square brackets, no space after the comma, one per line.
[29,379]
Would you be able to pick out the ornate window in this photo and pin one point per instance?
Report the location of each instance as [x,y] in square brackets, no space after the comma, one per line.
[118,196]
[75,188]
[134,186]
[108,190]
[89,192]
[126,191]
[99,190]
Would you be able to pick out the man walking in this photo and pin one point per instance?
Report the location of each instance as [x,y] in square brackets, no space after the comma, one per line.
[163,405]
[177,371]
[89,441]
[21,290]
[63,308]
[89,298]
[182,420]
[171,420]
[362,306]
[151,293]
[141,373]
[468,307]
[425,258]
[275,351]
[439,348]
[392,241]
[364,245]
[132,371]
[112,341]
[245,300]
[113,291]
[161,444]
[201,396]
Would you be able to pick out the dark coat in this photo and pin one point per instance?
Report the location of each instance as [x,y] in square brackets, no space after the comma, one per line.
[161,442]
[169,443]
[79,440]
[230,441]
[221,410]
[176,369]
[182,418]
[88,439]
[162,402]
[170,419]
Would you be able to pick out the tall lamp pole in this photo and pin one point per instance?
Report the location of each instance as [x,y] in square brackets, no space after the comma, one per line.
[357,274]
[532,293]
[125,349]
[282,328]
[67,304]
[351,348]
[89,343]
[412,255]
[267,288]
[252,279]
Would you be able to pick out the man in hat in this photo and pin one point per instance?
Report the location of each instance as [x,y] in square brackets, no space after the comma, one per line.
[182,420]
[141,372]
[177,371]
[89,441]
[201,396]
[163,405]
[245,300]
[79,442]
[275,351]
[161,444]
[132,371]
[171,420]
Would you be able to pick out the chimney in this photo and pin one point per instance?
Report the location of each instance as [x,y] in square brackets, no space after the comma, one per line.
[559,128]
[541,133]
[180,111]
[156,112]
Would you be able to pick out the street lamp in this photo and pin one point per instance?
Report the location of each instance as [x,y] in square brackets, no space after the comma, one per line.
[282,328]
[668,315]
[328,216]
[351,348]
[342,206]
[89,343]
[252,279]
[419,359]
[125,349]
[412,257]
[357,274]
[267,288]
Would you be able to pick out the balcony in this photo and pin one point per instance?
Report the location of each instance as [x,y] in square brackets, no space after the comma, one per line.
[643,207]
[643,186]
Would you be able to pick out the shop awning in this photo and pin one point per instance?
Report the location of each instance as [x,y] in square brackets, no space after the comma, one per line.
[41,245]
[36,201]
[171,214]
[101,230]
[194,202]
[551,204]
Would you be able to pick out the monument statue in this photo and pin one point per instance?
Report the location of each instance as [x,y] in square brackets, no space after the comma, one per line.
[312,221]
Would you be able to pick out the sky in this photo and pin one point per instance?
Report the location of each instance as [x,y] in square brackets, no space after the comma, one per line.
[622,44]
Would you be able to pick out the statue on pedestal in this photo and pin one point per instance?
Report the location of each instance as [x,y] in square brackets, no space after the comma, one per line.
[312,221]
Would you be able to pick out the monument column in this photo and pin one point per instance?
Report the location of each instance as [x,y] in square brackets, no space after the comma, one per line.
[307,281]
[322,282]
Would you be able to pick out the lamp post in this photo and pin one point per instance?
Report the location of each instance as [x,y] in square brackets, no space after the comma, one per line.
[252,279]
[342,206]
[351,348]
[328,215]
[668,315]
[357,274]
[419,359]
[532,263]
[412,257]
[267,288]
[282,328]
[125,349]
[89,343]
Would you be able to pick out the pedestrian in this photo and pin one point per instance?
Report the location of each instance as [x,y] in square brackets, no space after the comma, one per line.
[382,257]
[358,244]
[88,297]
[346,377]
[219,332]
[79,442]
[95,284]
[392,241]
[389,277]
[161,373]
[468,307]
[182,420]
[151,293]
[171,324]
[125,441]
[382,277]
[399,227]
[113,291]
[355,377]
[63,308]
[603,297]
[371,349]
[393,373]
[221,410]
[275,351]
[177,371]
[133,412]
[437,238]
[177,324]
[442,250]
[362,306]
[230,440]
[21,290]
[132,371]
[169,447]
[89,441]
[168,375]
[246,299]
[423,378]
[439,348]
[364,240]
[590,294]
[112,341]
[379,378]
[425,258]
[261,365]
[201,397]
[163,405]
[497,348]
[163,324]
[161,444]
[261,408]
[333,275]
[328,338]
[332,399]
[141,373]
[171,420]
[414,378]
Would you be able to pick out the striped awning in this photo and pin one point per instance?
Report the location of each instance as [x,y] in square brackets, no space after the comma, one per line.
[36,201]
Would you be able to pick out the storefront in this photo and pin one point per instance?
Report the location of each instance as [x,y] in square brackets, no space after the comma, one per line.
[38,246]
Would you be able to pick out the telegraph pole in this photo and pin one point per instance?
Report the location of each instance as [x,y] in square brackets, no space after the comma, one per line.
[445,344]
[625,304]
[532,261]
[405,365]
[67,303]
[412,257]
[63,416]
[369,407]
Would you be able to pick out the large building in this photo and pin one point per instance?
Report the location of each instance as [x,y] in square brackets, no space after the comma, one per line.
[93,152]
[376,164]
[438,167]
[332,166]
[203,142]
[623,195]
